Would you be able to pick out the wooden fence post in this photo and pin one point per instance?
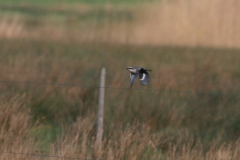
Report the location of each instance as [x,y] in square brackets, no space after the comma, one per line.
[101,108]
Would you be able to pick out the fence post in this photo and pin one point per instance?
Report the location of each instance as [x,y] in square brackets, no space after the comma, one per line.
[101,108]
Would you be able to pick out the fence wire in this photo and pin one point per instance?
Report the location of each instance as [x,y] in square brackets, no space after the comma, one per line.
[119,88]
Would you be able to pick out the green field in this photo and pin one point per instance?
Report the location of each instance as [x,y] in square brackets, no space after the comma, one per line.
[57,2]
[50,63]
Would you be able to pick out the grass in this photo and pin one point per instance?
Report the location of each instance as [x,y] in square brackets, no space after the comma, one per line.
[189,111]
[179,22]
[59,2]
[168,119]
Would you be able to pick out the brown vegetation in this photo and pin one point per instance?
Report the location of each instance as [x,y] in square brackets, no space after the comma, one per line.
[199,122]
[212,23]
[189,111]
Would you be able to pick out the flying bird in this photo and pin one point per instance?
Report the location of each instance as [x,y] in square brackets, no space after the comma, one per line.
[143,75]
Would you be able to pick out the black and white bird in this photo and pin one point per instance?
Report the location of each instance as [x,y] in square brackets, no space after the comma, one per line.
[143,75]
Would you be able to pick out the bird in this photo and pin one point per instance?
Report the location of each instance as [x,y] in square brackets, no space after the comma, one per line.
[143,75]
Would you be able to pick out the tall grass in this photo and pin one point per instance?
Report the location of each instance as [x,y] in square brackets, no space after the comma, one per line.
[135,141]
[190,23]
[194,23]
[190,110]
[61,120]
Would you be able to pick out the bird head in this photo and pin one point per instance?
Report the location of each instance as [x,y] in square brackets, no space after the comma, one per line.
[132,69]
[128,68]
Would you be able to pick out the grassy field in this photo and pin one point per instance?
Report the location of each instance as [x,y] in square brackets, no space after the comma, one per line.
[69,2]
[162,123]
[178,22]
[189,111]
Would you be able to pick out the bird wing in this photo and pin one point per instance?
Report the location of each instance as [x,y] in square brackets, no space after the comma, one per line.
[133,77]
[144,78]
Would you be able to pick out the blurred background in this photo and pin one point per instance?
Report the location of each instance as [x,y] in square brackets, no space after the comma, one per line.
[51,55]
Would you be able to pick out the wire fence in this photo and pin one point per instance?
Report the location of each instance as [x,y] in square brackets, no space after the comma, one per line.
[119,88]
[97,87]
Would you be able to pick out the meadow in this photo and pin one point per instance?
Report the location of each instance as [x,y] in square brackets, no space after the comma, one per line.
[50,62]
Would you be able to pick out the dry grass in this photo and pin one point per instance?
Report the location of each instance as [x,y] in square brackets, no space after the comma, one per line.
[77,141]
[10,27]
[130,142]
[190,23]
[64,45]
[60,120]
